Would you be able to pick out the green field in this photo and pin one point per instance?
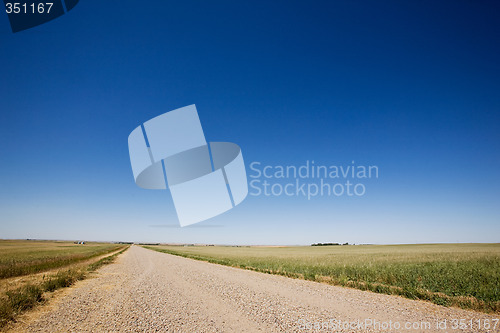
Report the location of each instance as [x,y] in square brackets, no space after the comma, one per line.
[29,270]
[463,275]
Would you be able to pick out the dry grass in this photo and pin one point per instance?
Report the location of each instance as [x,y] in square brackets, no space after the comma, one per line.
[34,269]
[22,257]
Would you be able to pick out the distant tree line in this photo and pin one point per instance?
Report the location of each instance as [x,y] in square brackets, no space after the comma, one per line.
[328,244]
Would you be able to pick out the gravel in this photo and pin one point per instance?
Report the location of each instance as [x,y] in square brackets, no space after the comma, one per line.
[148,291]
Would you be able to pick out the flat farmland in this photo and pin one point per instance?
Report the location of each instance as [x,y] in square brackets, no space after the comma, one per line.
[21,257]
[461,275]
[30,269]
[149,291]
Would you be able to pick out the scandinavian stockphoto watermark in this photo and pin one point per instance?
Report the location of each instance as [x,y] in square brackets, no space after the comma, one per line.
[206,179]
[445,325]
[310,179]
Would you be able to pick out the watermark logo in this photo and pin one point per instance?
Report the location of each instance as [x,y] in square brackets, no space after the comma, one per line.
[205,179]
[310,180]
[31,13]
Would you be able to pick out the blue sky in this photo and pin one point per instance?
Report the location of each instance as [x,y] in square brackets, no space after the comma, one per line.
[412,87]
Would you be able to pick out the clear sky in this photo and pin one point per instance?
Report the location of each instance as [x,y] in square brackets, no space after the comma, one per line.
[412,87]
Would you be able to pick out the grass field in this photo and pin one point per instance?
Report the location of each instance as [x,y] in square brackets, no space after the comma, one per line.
[31,269]
[463,275]
[19,257]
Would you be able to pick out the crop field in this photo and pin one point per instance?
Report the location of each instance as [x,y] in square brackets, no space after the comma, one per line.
[462,275]
[27,257]
[29,269]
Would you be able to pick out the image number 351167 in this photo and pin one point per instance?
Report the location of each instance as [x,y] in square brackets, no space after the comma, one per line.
[27,14]
[24,8]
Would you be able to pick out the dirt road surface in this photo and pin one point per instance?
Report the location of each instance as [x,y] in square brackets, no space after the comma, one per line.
[147,291]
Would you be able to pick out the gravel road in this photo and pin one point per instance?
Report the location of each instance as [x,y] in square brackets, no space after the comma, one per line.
[147,291]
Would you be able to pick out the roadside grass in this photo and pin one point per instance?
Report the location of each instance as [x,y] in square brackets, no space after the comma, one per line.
[15,301]
[461,275]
